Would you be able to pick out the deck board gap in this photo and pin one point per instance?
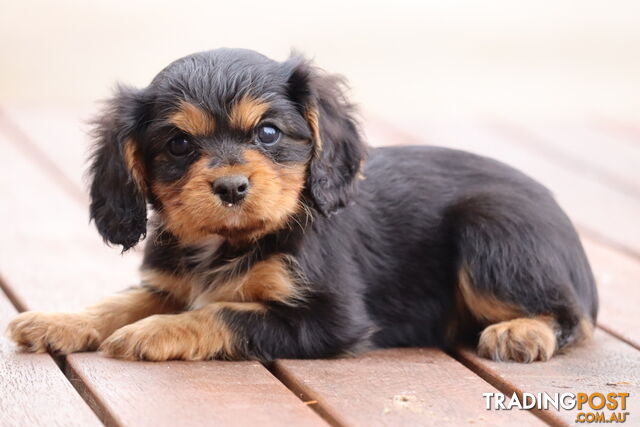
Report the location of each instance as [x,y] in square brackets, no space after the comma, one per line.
[606,241]
[11,296]
[540,145]
[303,393]
[618,336]
[503,385]
[59,360]
[23,142]
[91,399]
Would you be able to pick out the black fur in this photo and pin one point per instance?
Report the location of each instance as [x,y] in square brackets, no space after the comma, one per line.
[379,257]
[340,151]
[118,206]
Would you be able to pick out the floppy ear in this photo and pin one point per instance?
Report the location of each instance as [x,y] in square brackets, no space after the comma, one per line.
[338,148]
[118,203]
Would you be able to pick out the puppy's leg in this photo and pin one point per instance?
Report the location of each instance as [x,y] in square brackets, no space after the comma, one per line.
[227,330]
[85,330]
[193,335]
[522,276]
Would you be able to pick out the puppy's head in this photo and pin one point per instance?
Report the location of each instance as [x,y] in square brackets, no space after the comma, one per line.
[224,142]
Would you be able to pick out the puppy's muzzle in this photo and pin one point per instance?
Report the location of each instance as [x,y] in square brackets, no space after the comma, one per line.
[231,189]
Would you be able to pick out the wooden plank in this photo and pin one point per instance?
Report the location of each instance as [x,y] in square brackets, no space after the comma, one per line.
[587,149]
[604,365]
[592,204]
[187,393]
[617,276]
[33,390]
[396,387]
[61,133]
[50,256]
[45,226]
[629,130]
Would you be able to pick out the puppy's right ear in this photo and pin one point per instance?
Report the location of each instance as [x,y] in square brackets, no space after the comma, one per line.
[118,184]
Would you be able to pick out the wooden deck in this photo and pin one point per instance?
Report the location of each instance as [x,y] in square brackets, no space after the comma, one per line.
[52,259]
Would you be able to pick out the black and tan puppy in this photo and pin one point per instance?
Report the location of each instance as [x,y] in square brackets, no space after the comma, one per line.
[276,232]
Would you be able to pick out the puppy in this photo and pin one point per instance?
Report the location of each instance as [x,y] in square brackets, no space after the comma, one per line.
[278,233]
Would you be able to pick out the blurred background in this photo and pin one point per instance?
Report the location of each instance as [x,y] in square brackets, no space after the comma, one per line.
[406,60]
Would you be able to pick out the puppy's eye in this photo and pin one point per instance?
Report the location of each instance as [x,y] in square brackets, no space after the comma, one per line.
[180,146]
[268,135]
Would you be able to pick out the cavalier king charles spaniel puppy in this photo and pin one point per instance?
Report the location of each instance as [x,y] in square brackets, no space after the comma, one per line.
[273,231]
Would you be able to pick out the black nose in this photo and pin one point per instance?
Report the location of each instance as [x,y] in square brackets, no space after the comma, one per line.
[231,189]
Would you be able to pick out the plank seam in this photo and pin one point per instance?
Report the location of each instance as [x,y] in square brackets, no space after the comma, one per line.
[406,137]
[20,140]
[12,297]
[602,239]
[59,361]
[504,386]
[304,393]
[518,132]
[618,335]
[83,387]
[629,131]
[23,142]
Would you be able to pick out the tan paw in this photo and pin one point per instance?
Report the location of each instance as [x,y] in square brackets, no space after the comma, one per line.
[162,337]
[520,340]
[56,332]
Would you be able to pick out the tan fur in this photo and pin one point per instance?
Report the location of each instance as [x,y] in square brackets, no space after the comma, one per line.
[268,280]
[247,112]
[85,330]
[193,120]
[58,332]
[191,211]
[484,308]
[585,331]
[134,164]
[521,340]
[201,333]
[192,335]
[313,119]
[459,318]
[180,287]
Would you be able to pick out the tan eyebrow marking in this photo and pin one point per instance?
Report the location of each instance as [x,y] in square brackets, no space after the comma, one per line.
[246,113]
[193,120]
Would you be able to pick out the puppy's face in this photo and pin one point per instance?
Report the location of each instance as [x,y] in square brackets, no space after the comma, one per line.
[227,153]
[225,142]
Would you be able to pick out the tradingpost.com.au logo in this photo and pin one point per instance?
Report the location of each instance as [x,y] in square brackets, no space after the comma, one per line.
[592,407]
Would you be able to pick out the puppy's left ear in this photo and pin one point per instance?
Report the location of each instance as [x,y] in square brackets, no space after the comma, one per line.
[338,151]
[118,202]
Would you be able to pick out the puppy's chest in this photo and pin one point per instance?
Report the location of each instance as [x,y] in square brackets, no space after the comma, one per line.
[217,275]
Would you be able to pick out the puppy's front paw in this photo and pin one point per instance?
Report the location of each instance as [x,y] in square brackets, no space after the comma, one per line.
[520,340]
[56,332]
[158,338]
